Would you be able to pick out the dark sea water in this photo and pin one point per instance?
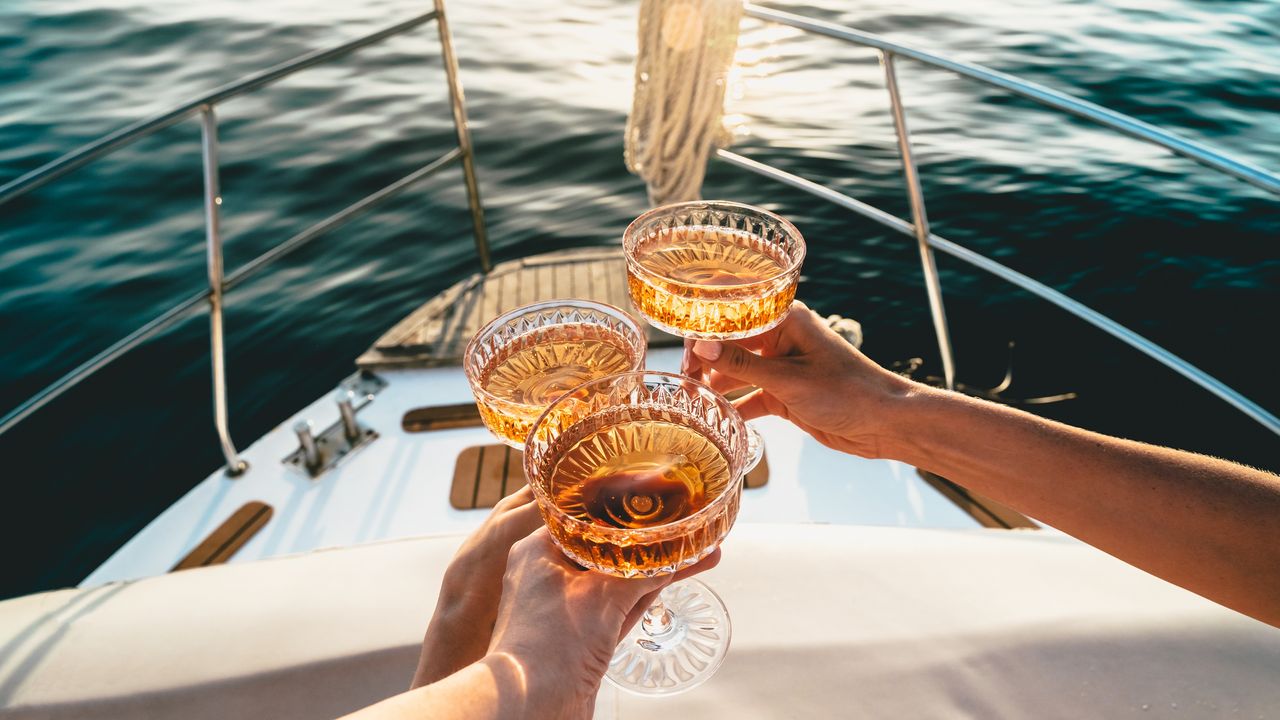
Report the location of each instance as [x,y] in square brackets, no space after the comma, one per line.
[1170,249]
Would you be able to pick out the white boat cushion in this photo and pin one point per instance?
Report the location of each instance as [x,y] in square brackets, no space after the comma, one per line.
[829,621]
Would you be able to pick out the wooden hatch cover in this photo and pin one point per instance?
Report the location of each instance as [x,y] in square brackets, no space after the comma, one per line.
[441,417]
[229,537]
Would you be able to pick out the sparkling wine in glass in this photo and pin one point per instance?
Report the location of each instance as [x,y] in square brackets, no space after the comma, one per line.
[637,475]
[523,360]
[712,270]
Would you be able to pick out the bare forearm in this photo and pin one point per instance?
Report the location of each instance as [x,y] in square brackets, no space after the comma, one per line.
[473,692]
[455,638]
[498,686]
[1208,525]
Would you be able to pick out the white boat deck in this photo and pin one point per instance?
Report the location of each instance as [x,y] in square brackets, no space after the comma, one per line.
[398,486]
[829,621]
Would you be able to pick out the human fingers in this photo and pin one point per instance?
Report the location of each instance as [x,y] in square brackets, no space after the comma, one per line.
[802,341]
[537,543]
[538,546]
[765,343]
[523,496]
[737,358]
[759,403]
[471,590]
[519,510]
[745,367]
[724,384]
[701,566]
[806,332]
[643,603]
[512,518]
[690,364]
[521,520]
[781,338]
[710,561]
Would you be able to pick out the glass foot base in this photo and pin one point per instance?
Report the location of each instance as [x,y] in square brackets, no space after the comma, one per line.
[664,658]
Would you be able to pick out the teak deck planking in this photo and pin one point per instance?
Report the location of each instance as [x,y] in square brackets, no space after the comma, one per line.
[438,332]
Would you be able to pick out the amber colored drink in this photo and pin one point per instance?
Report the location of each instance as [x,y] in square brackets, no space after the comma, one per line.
[638,475]
[539,368]
[711,282]
[641,474]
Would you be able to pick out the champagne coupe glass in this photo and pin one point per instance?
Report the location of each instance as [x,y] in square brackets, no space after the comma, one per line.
[636,475]
[713,270]
[526,358]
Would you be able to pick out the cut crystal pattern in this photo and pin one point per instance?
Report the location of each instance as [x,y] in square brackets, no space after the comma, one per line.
[712,270]
[524,359]
[596,426]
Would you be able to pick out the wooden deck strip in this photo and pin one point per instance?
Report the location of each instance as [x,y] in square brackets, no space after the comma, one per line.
[495,463]
[471,316]
[428,322]
[466,473]
[615,282]
[544,281]
[218,547]
[441,417]
[514,290]
[490,301]
[597,276]
[580,276]
[437,333]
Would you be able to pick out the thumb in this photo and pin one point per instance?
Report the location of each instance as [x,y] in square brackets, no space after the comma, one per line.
[658,584]
[737,363]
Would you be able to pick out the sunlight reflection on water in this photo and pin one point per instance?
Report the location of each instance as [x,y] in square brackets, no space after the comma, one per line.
[86,260]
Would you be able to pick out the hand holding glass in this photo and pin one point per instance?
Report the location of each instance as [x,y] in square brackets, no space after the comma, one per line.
[639,474]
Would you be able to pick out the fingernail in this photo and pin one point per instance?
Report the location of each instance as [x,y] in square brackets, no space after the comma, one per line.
[707,350]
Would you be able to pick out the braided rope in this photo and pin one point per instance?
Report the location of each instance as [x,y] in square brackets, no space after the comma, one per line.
[685,50]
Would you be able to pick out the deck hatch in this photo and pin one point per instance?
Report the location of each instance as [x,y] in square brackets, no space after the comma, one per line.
[441,417]
[219,545]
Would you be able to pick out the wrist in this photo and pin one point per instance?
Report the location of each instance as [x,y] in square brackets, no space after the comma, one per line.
[548,687]
[465,590]
[902,418]
[457,635]
[454,614]
[454,607]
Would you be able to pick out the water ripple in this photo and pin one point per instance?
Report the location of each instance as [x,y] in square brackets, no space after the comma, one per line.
[1175,251]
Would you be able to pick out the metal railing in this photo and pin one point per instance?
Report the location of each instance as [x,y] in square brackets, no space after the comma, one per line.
[927,241]
[219,283]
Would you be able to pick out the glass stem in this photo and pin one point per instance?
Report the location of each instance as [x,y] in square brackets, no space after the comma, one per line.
[657,619]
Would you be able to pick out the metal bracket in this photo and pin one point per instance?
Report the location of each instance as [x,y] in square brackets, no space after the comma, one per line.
[318,454]
[365,385]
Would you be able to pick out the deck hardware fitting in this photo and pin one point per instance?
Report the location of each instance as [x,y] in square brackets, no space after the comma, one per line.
[350,428]
[317,453]
[307,449]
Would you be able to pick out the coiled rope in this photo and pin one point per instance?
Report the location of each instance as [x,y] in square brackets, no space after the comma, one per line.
[686,48]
